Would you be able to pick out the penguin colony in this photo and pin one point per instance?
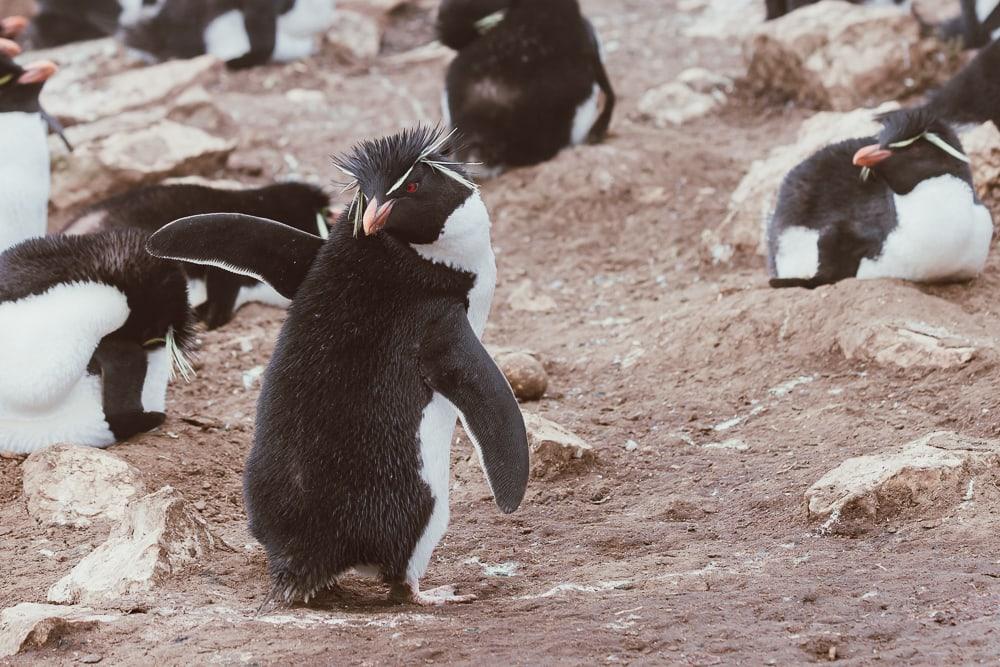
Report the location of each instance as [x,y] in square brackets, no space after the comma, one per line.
[380,353]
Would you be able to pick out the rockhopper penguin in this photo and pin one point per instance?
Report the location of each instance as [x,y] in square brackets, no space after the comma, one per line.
[90,327]
[911,212]
[379,355]
[244,33]
[216,294]
[526,82]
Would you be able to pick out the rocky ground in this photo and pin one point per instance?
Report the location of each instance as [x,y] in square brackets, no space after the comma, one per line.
[757,481]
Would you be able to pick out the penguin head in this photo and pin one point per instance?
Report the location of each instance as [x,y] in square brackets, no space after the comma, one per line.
[406,186]
[20,86]
[913,146]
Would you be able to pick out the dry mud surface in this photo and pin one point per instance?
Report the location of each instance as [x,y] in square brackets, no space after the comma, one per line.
[669,553]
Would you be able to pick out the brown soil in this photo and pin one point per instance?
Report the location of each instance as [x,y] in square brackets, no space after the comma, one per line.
[669,554]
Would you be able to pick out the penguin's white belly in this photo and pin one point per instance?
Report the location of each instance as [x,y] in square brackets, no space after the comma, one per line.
[197,292]
[154,386]
[260,293]
[798,253]
[983,9]
[226,36]
[586,116]
[942,234]
[24,195]
[299,28]
[78,419]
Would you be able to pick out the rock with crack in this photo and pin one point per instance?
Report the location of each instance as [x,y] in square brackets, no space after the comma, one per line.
[696,93]
[354,36]
[554,448]
[158,537]
[524,372]
[836,55]
[753,201]
[925,479]
[906,344]
[132,150]
[30,625]
[75,486]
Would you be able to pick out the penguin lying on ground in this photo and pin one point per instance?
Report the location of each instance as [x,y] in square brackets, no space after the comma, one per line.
[89,329]
[379,354]
[778,8]
[912,213]
[215,293]
[526,81]
[24,171]
[244,33]
[976,25]
[61,22]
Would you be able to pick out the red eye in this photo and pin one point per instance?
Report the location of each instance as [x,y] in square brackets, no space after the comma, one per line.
[412,187]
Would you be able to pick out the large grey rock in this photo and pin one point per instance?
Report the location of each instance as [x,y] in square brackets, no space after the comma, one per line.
[836,55]
[554,448]
[925,479]
[158,537]
[75,486]
[30,625]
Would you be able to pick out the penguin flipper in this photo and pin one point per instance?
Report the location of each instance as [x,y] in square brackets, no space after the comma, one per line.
[122,365]
[259,248]
[261,23]
[456,365]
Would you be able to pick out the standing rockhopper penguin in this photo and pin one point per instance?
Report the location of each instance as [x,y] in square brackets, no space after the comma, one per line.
[911,212]
[527,79]
[90,328]
[379,355]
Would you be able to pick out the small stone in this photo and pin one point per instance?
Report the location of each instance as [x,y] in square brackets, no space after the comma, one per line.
[91,659]
[554,448]
[631,445]
[355,36]
[734,444]
[526,298]
[200,505]
[526,375]
[697,92]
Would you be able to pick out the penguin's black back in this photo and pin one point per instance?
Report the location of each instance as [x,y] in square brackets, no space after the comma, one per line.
[826,193]
[972,95]
[514,92]
[333,478]
[156,289]
[61,22]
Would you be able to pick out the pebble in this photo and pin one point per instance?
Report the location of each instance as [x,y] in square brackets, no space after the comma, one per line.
[631,446]
[200,505]
[91,659]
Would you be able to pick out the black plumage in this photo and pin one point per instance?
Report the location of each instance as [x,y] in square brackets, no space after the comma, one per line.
[61,22]
[972,95]
[515,88]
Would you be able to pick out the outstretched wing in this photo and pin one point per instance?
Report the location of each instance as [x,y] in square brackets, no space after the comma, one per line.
[259,248]
[456,365]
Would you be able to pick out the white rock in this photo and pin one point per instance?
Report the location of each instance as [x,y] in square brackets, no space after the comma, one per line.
[355,36]
[907,345]
[923,479]
[526,298]
[676,103]
[158,537]
[836,55]
[75,486]
[753,201]
[554,448]
[30,625]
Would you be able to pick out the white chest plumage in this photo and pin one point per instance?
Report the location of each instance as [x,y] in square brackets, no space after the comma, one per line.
[983,9]
[942,234]
[296,36]
[464,244]
[24,197]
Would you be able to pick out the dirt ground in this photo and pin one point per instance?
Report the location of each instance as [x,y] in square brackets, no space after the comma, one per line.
[672,553]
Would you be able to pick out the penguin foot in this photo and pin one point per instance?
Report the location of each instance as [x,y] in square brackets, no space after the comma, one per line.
[435,597]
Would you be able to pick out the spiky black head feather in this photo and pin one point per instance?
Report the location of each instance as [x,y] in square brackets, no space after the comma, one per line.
[905,124]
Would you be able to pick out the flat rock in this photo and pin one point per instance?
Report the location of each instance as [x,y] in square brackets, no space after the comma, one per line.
[524,372]
[754,199]
[157,538]
[554,448]
[907,344]
[354,36]
[835,55]
[30,625]
[676,103]
[75,486]
[921,480]
[85,100]
[141,151]
[526,298]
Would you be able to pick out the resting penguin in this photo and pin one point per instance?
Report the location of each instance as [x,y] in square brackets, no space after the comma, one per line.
[778,8]
[215,293]
[379,354]
[24,171]
[529,85]
[911,213]
[89,328]
[244,33]
[59,22]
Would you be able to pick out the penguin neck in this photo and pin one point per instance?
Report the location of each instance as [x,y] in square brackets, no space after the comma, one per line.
[24,199]
[464,245]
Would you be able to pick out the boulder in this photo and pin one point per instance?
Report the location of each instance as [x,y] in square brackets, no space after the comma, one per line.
[132,150]
[924,479]
[30,625]
[157,538]
[753,201]
[836,55]
[354,36]
[982,145]
[554,448]
[75,486]
[696,92]
[524,372]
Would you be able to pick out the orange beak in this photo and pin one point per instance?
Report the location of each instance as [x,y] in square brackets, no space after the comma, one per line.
[38,72]
[871,156]
[376,216]
[13,25]
[9,48]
